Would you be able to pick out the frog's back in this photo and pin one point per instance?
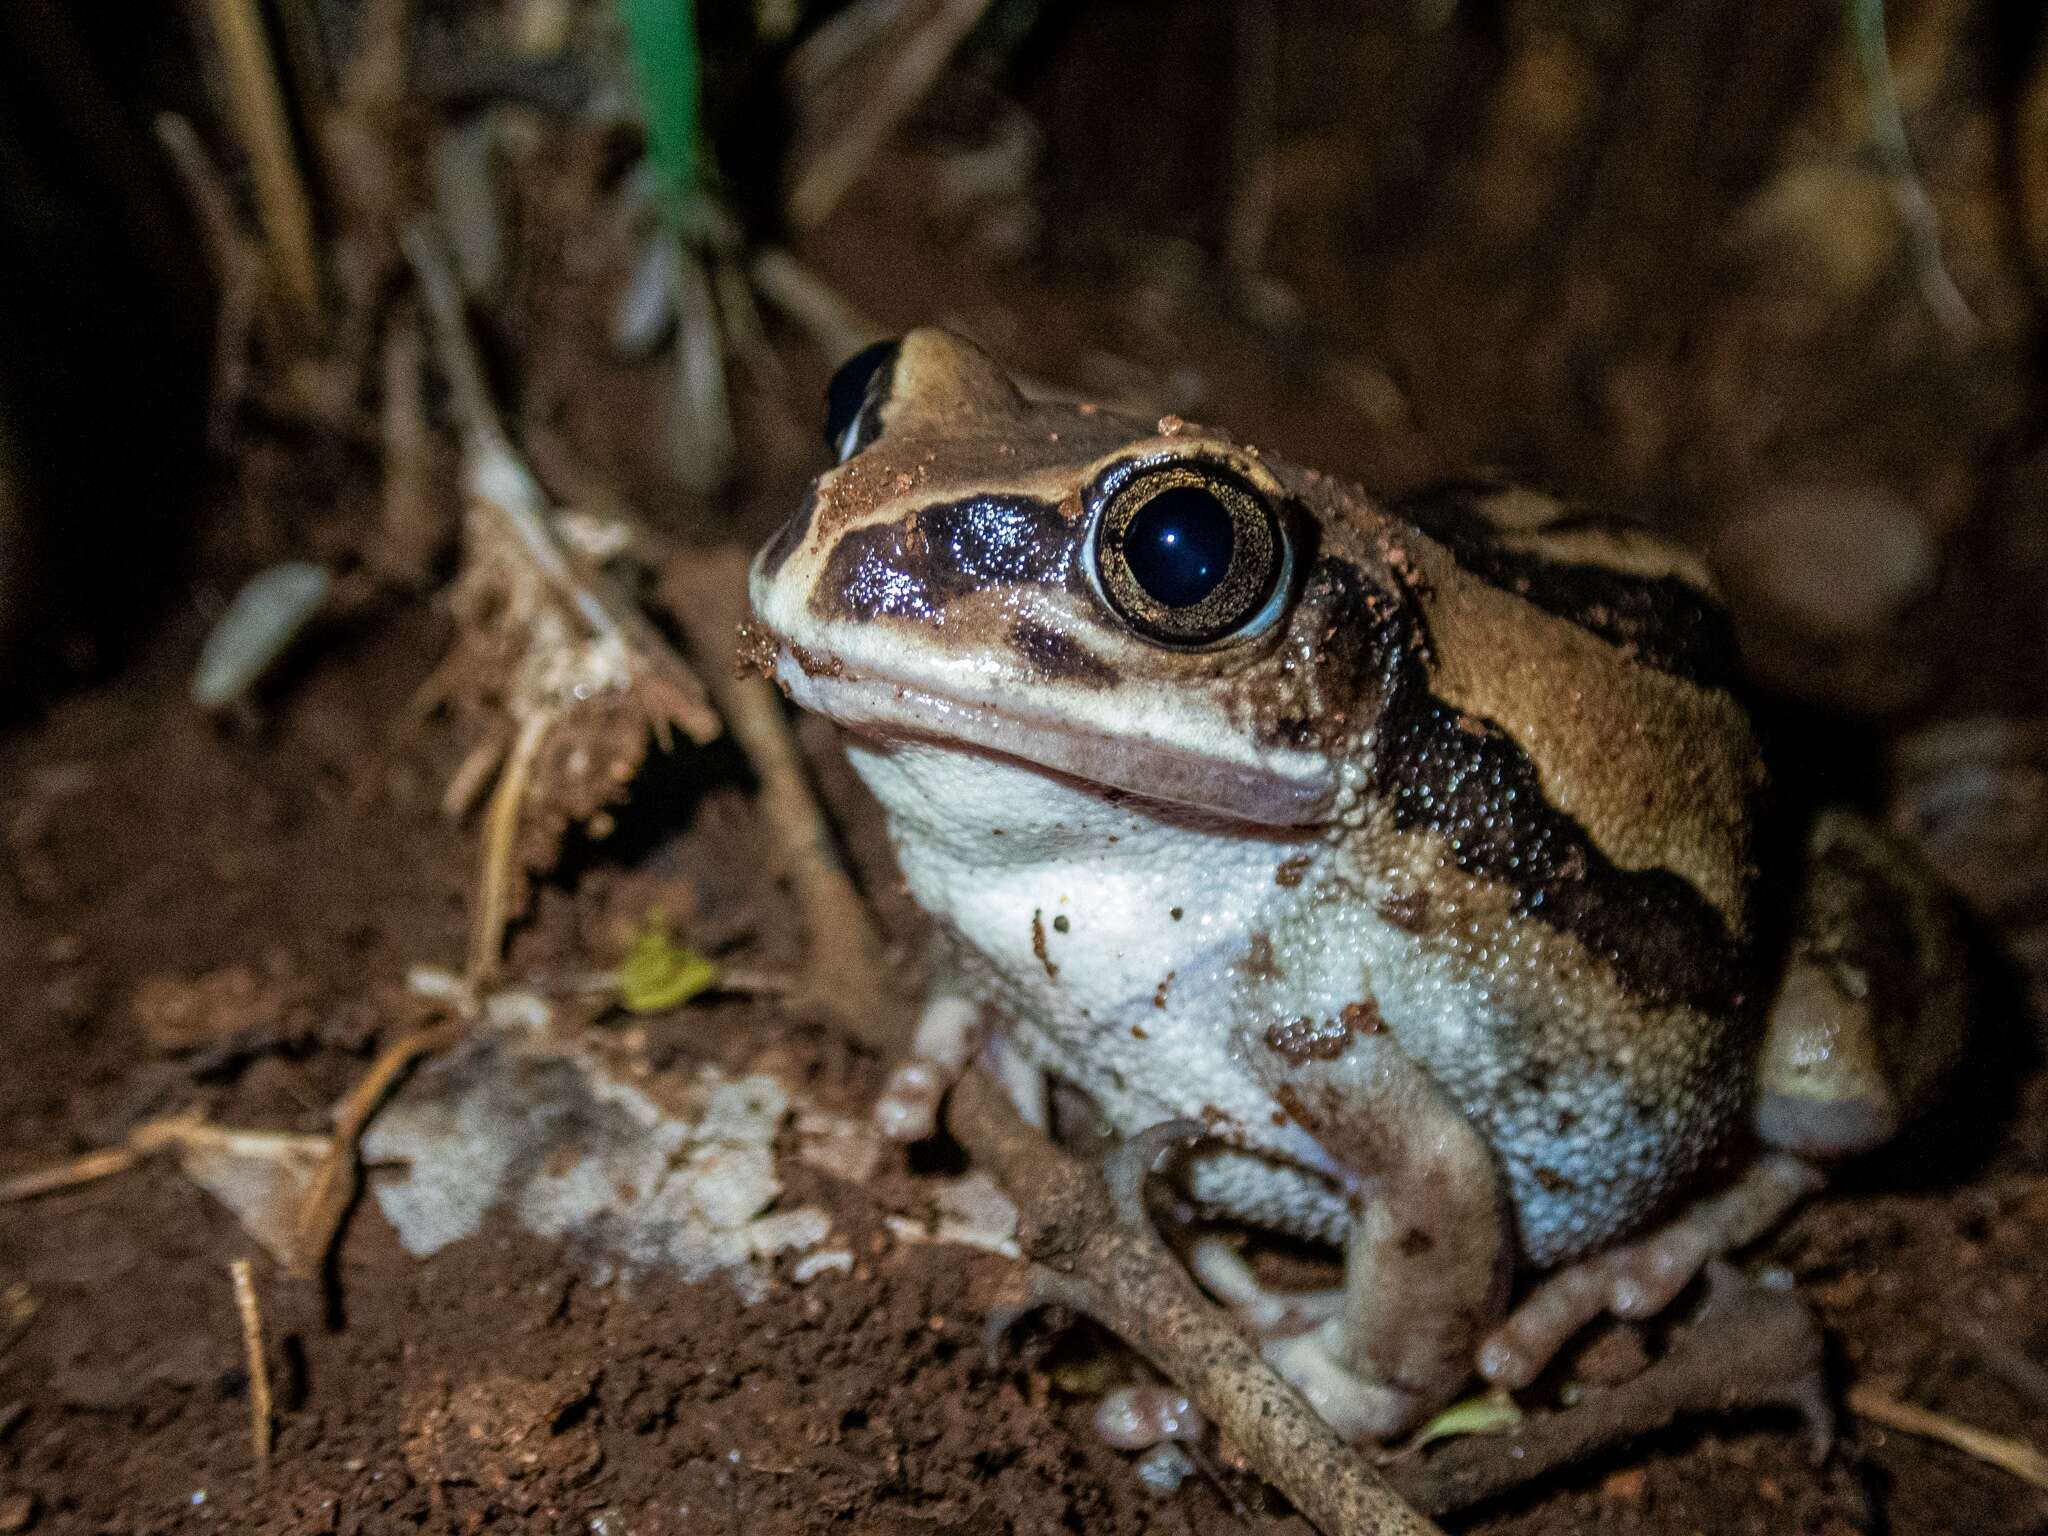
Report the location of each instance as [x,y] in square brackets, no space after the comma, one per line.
[1561,787]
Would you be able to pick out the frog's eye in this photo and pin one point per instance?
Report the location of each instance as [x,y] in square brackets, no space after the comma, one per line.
[849,424]
[1190,556]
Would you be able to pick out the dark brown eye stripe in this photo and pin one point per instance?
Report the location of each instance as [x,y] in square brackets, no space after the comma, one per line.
[1473,786]
[789,538]
[1665,622]
[1056,658]
[915,566]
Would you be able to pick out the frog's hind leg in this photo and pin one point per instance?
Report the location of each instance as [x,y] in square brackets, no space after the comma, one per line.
[1872,1011]
[1868,1018]
[1641,1278]
[1427,1257]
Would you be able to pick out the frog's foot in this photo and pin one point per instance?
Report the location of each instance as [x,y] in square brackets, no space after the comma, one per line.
[950,1031]
[1300,1334]
[1641,1278]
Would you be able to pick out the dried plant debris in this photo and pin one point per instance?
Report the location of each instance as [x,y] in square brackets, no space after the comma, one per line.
[562,680]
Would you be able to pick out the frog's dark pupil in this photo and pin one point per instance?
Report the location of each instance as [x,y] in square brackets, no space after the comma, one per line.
[1178,545]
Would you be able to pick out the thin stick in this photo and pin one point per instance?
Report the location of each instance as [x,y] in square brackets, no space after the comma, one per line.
[1909,193]
[496,476]
[845,969]
[89,1169]
[256,102]
[501,847]
[1750,1348]
[837,328]
[333,1188]
[2000,1451]
[2005,1360]
[910,60]
[258,1362]
[147,1139]
[1257,85]
[237,265]
[1109,1263]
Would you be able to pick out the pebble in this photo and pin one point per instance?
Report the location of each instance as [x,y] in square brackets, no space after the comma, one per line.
[1843,561]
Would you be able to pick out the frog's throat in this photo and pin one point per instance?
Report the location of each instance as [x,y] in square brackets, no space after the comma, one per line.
[1160,770]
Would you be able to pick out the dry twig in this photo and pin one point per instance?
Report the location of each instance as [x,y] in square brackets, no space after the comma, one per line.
[500,846]
[845,972]
[2001,1451]
[18,1308]
[1750,1348]
[333,1188]
[1254,111]
[1096,1251]
[555,634]
[877,83]
[256,104]
[2017,1369]
[258,1358]
[237,266]
[838,329]
[145,1140]
[88,1169]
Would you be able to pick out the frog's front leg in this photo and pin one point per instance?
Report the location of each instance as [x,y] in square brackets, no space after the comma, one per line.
[1867,1020]
[1427,1261]
[952,1029]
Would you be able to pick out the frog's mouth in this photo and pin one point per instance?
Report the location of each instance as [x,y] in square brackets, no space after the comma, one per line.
[1088,739]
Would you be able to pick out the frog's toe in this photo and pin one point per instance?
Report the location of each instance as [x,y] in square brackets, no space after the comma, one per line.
[1356,1408]
[1266,1313]
[1642,1278]
[1300,1335]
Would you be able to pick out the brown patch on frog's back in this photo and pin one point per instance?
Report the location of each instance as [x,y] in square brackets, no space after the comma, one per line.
[1613,579]
[1290,871]
[1406,910]
[1477,789]
[1058,658]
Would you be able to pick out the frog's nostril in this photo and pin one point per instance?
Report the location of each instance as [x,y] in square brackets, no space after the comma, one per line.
[849,424]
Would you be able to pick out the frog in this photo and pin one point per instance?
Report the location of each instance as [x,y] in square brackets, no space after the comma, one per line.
[1412,846]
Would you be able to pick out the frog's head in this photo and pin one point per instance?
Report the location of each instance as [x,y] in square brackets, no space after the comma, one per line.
[1135,605]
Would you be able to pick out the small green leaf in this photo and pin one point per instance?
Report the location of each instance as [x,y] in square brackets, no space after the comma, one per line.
[1493,1414]
[659,974]
[662,37]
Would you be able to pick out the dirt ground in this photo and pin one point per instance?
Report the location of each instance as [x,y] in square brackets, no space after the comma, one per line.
[1639,256]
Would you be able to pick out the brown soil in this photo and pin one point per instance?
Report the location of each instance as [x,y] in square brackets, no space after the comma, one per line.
[1474,287]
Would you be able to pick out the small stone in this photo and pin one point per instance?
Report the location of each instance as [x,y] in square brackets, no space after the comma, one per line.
[1626,1486]
[1840,560]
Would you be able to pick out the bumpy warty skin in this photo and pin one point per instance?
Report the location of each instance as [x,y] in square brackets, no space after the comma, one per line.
[1478,800]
